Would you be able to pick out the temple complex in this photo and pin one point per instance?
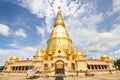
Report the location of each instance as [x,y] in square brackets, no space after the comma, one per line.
[60,57]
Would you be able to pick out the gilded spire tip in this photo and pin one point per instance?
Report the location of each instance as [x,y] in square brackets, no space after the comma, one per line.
[59,20]
[58,7]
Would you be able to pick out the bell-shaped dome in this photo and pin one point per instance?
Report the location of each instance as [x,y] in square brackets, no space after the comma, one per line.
[14,59]
[80,55]
[41,55]
[105,57]
[38,55]
[75,50]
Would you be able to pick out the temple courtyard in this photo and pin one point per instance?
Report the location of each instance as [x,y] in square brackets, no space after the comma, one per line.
[115,76]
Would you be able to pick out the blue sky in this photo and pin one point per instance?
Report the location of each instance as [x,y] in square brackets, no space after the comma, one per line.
[93,25]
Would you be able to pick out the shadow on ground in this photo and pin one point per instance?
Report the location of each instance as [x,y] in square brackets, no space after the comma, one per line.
[35,77]
[59,78]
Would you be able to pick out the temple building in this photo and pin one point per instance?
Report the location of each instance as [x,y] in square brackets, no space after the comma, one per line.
[60,57]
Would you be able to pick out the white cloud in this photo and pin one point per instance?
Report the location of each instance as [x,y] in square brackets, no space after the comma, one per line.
[115,55]
[21,33]
[4,30]
[98,42]
[30,49]
[4,51]
[14,45]
[115,8]
[41,31]
[35,6]
[116,5]
[28,27]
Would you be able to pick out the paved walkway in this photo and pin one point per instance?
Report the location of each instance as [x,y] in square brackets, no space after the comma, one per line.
[115,76]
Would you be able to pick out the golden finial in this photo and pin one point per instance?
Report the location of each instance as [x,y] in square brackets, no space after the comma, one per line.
[58,7]
[59,20]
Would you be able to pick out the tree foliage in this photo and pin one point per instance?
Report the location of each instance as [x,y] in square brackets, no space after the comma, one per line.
[1,68]
[117,63]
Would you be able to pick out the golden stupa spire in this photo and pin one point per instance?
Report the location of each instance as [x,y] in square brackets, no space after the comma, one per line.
[59,38]
[59,20]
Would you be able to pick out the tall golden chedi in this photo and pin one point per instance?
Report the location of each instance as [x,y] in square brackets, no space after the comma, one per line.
[60,57]
[59,37]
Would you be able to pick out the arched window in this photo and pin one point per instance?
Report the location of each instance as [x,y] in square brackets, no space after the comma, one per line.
[92,66]
[88,66]
[105,66]
[13,68]
[102,66]
[45,66]
[73,66]
[99,66]
[19,68]
[95,66]
[23,67]
[26,68]
[16,68]
[59,51]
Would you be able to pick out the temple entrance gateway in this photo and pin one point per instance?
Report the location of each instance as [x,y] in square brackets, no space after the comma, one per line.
[59,67]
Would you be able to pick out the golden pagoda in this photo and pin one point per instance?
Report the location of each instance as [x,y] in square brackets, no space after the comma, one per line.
[60,57]
[59,38]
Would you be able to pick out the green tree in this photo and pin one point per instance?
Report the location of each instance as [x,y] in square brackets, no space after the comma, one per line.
[1,68]
[117,63]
